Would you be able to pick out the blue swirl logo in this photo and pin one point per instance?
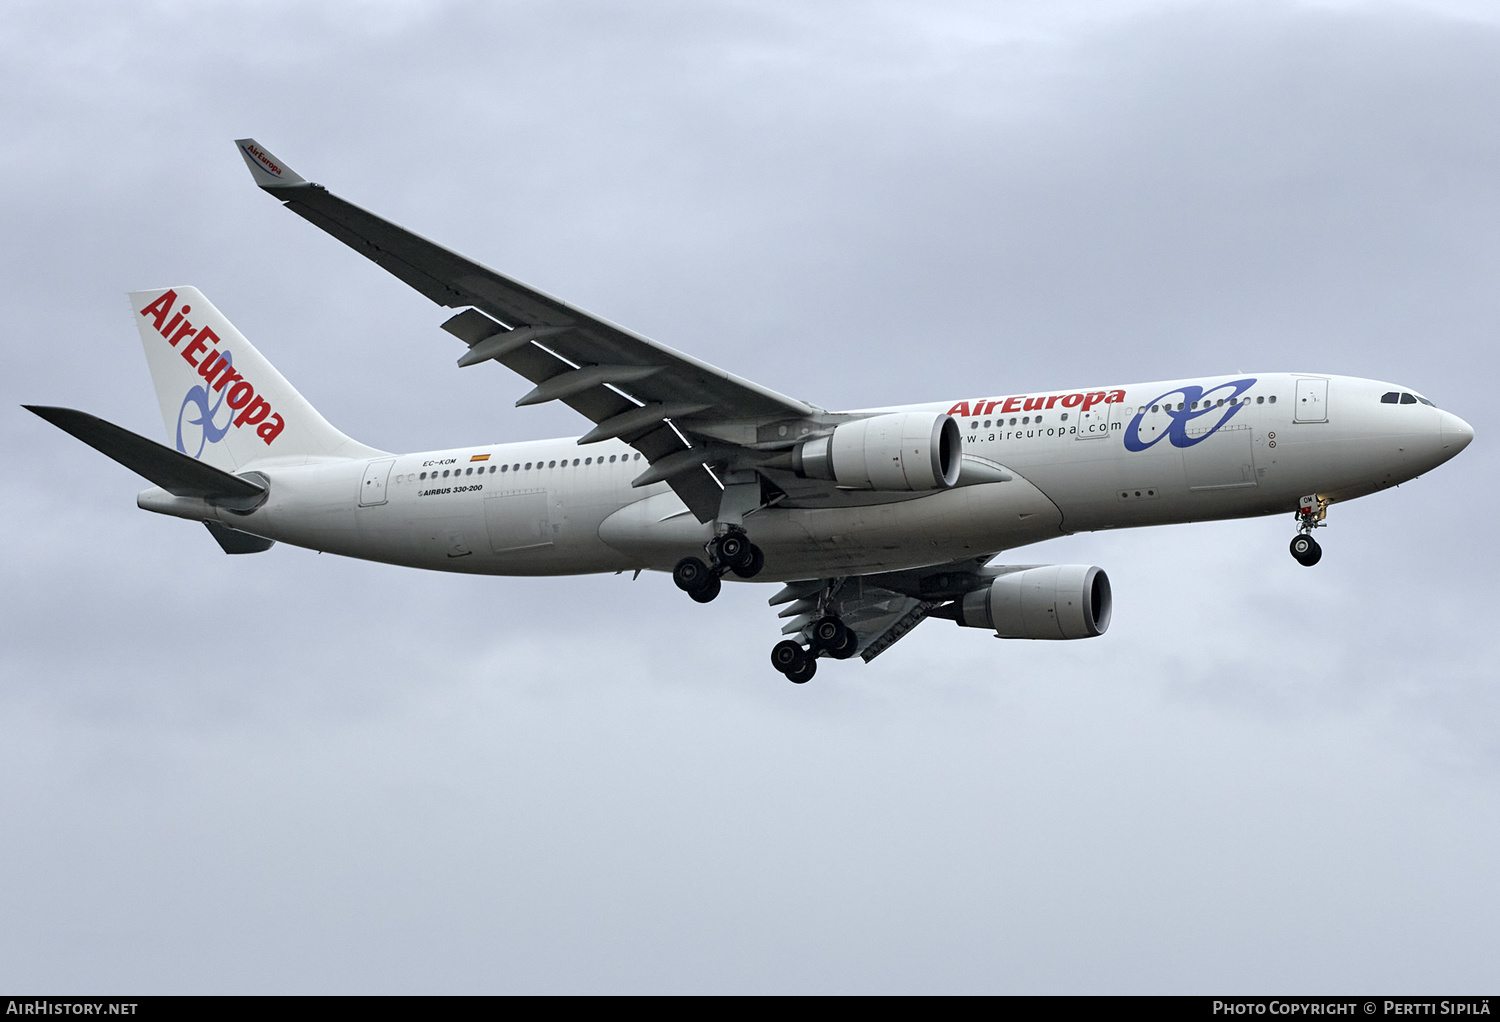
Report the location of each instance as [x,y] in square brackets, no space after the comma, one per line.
[211,432]
[1196,403]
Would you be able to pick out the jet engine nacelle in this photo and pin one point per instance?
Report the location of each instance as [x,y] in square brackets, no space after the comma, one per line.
[896,451]
[1054,601]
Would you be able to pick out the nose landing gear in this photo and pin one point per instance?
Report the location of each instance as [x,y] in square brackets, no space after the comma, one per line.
[1310,515]
[732,551]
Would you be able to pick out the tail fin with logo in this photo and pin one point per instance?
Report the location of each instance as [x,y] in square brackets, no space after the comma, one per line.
[222,402]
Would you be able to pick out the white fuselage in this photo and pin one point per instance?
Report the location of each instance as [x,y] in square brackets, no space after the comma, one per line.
[552,507]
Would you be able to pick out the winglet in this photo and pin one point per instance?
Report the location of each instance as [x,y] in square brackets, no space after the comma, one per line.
[268,171]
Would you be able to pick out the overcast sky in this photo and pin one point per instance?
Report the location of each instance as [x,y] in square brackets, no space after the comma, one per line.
[296,773]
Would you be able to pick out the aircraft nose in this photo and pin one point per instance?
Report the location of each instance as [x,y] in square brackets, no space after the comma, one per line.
[1456,434]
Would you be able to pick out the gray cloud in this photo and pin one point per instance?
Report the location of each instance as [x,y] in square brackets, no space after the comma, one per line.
[292,772]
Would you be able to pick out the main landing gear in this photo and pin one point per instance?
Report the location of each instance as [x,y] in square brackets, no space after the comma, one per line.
[732,551]
[828,637]
[1310,514]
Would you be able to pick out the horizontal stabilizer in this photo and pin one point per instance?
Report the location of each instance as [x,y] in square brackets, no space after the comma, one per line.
[172,470]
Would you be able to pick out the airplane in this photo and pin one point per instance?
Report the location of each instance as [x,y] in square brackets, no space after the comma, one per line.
[873,520]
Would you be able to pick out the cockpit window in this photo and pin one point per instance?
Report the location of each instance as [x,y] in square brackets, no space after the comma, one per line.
[1392,397]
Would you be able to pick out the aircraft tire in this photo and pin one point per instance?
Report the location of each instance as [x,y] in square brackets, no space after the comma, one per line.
[734,551]
[1306,550]
[787,655]
[708,592]
[803,674]
[757,562]
[691,574]
[828,633]
[848,643]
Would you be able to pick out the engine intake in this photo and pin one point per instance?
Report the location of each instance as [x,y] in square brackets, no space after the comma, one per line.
[896,451]
[1054,601]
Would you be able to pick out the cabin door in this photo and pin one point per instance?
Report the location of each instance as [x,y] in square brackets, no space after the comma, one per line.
[1312,401]
[372,488]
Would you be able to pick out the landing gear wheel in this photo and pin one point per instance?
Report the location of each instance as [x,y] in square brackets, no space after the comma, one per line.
[691,575]
[709,592]
[801,675]
[846,648]
[1306,550]
[733,551]
[828,634]
[757,562]
[787,656]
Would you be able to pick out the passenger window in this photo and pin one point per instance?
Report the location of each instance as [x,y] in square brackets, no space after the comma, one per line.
[528,466]
[986,423]
[1065,416]
[1038,418]
[974,424]
[611,459]
[502,468]
[1273,399]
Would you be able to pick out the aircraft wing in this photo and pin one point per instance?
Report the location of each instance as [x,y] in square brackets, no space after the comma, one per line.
[629,386]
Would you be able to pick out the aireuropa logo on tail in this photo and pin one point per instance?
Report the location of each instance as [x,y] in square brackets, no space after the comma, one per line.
[263,158]
[245,406]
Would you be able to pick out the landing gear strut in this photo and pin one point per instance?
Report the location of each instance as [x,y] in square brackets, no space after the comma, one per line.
[732,551]
[1310,514]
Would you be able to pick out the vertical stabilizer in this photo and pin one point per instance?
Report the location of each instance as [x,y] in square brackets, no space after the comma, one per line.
[222,402]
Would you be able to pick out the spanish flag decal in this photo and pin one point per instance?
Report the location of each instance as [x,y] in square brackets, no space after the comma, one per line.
[480,457]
